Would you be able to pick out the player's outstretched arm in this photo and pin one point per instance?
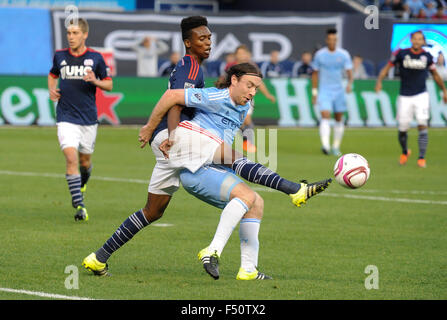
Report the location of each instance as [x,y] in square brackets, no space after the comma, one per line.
[440,83]
[266,92]
[173,121]
[314,86]
[169,99]
[382,75]
[350,80]
[52,88]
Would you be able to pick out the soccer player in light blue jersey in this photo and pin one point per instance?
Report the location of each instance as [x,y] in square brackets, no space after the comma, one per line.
[219,114]
[329,65]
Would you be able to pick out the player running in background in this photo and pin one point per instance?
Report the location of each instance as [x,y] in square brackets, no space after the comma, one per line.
[413,100]
[329,65]
[81,71]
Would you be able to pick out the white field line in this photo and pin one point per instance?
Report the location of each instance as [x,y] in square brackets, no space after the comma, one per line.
[265,189]
[44,294]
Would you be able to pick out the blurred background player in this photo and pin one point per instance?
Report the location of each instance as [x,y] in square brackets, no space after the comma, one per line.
[167,67]
[413,100]
[242,54]
[272,68]
[81,71]
[147,51]
[358,69]
[303,68]
[329,66]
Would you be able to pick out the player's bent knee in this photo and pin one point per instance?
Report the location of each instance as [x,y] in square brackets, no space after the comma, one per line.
[152,215]
[155,206]
[244,193]
[257,210]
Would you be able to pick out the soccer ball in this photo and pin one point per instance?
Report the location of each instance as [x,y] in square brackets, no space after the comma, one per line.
[351,170]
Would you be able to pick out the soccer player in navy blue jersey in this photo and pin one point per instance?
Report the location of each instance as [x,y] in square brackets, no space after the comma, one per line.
[413,100]
[187,74]
[76,74]
[165,178]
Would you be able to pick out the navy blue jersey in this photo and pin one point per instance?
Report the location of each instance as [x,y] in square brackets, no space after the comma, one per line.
[77,103]
[271,70]
[187,74]
[413,67]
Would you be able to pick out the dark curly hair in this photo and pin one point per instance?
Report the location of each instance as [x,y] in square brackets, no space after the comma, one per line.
[190,23]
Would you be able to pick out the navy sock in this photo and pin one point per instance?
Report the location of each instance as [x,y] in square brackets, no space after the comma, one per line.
[85,174]
[124,233]
[423,143]
[403,141]
[257,173]
[74,185]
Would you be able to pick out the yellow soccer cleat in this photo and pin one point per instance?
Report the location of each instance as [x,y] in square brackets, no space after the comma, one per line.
[81,214]
[83,189]
[255,275]
[210,261]
[98,268]
[309,190]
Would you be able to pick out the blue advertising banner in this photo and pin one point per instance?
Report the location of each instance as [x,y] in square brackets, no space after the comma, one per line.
[26,41]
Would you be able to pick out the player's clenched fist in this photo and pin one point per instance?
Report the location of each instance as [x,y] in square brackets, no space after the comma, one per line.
[90,76]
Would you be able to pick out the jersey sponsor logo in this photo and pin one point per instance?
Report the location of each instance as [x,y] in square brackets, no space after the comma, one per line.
[410,63]
[74,72]
[230,123]
[198,96]
[63,63]
[88,62]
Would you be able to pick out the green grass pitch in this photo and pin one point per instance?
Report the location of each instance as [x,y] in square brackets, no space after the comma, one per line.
[396,222]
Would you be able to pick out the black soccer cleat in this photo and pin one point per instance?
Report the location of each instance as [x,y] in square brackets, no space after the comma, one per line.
[81,214]
[210,261]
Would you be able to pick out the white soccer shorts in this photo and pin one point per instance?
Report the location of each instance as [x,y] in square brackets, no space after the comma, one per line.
[80,137]
[409,107]
[193,148]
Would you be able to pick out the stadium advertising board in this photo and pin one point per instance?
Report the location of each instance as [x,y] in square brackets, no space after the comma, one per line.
[435,37]
[291,35]
[25,101]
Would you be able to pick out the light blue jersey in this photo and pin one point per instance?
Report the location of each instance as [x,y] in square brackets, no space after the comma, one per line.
[216,112]
[330,66]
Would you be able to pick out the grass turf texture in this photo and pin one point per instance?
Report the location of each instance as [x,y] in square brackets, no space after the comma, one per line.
[319,251]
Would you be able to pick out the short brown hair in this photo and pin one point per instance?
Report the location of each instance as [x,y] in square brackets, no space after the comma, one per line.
[82,23]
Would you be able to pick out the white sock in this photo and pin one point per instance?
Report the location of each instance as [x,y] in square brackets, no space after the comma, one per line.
[339,129]
[248,235]
[230,217]
[325,133]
